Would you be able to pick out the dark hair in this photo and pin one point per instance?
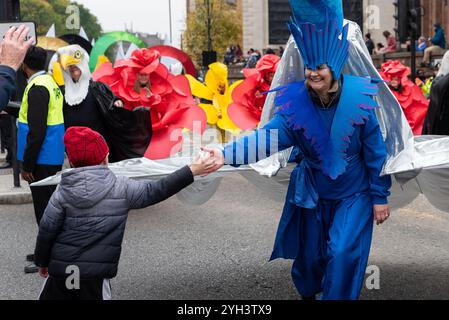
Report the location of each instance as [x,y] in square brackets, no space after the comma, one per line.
[368,35]
[36,58]
[380,45]
[386,33]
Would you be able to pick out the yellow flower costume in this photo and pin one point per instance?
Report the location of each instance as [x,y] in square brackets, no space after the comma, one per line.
[217,90]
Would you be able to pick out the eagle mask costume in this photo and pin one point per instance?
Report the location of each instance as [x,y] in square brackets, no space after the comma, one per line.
[128,133]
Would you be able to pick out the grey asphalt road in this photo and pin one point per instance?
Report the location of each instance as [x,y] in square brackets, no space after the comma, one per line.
[221,250]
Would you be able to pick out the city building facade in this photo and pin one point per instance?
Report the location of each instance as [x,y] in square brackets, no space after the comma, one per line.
[264,21]
[435,11]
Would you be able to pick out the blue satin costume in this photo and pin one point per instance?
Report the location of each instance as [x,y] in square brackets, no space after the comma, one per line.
[327,222]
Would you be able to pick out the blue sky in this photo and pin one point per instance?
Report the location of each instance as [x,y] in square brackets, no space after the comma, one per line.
[150,16]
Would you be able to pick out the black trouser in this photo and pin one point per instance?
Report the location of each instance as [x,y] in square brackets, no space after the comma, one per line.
[41,195]
[56,289]
[5,132]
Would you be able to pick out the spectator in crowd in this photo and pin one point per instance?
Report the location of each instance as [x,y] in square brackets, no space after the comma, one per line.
[238,54]
[269,51]
[391,42]
[369,43]
[13,49]
[438,46]
[5,135]
[437,118]
[443,69]
[421,45]
[281,51]
[233,51]
[253,57]
[228,57]
[380,49]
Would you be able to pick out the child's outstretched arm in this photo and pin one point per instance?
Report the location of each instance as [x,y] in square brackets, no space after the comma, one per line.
[142,194]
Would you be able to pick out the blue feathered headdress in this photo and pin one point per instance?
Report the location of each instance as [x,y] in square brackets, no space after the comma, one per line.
[317,27]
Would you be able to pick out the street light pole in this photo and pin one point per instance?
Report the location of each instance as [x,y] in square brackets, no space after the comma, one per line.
[414,15]
[10,11]
[209,39]
[171,30]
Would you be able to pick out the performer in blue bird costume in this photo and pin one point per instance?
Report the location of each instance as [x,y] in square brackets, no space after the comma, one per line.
[336,191]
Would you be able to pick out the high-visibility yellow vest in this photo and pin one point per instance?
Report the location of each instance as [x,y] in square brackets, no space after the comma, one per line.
[52,150]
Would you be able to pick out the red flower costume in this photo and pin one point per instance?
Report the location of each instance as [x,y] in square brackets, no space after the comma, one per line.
[171,103]
[410,96]
[248,102]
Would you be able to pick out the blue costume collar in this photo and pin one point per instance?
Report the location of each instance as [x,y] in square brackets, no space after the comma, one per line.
[357,98]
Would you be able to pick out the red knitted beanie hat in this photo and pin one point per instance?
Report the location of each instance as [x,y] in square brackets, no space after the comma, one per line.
[85,147]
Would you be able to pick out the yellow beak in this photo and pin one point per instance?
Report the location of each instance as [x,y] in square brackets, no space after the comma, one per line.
[57,74]
[67,60]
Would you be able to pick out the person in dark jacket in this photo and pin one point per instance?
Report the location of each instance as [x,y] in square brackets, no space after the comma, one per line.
[5,137]
[438,45]
[40,131]
[12,52]
[7,84]
[369,43]
[13,49]
[84,223]
[437,118]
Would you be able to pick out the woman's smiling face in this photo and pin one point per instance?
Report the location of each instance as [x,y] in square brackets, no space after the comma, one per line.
[319,80]
[395,82]
[143,78]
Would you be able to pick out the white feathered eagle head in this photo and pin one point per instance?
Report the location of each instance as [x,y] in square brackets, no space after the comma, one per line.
[69,56]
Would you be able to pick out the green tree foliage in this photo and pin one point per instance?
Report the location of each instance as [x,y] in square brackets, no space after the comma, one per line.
[89,22]
[226,29]
[42,13]
[48,12]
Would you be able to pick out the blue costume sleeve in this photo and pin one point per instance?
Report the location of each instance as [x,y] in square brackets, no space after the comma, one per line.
[7,85]
[261,144]
[375,155]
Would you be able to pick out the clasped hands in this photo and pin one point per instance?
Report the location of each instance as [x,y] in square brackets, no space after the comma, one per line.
[209,161]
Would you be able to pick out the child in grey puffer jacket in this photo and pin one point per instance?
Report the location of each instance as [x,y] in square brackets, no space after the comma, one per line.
[84,223]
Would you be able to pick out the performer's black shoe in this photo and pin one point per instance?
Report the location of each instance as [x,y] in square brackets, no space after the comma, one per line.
[311,298]
[30,257]
[32,268]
